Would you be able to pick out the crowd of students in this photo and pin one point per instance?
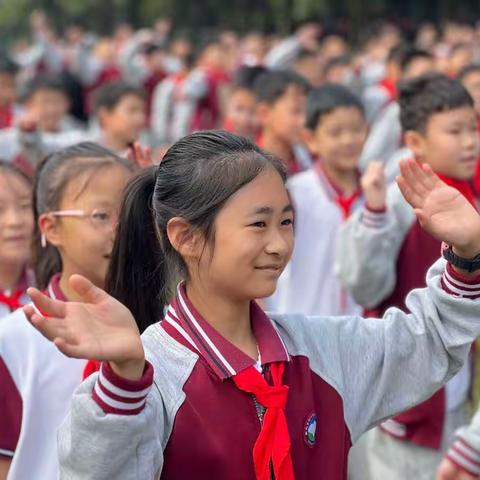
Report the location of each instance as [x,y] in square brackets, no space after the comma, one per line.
[177,178]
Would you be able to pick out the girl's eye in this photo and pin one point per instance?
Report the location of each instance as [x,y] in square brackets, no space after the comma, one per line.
[288,221]
[99,216]
[259,224]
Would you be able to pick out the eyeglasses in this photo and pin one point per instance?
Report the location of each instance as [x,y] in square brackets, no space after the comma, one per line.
[98,218]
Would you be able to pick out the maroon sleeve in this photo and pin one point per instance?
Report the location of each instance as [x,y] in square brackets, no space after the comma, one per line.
[11,412]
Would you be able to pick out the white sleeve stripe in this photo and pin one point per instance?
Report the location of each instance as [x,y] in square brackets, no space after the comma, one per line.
[115,403]
[109,386]
[7,453]
[466,450]
[458,283]
[460,291]
[461,460]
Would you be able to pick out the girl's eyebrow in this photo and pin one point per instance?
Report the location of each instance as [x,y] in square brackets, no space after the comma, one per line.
[269,210]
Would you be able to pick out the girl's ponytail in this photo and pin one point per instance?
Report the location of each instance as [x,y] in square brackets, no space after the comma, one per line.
[136,276]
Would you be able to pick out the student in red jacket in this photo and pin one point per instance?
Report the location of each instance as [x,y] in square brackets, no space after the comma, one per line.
[383,253]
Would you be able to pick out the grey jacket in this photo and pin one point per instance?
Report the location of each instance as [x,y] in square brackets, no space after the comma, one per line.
[379,368]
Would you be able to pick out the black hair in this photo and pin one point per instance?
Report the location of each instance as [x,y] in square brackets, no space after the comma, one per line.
[335,62]
[41,82]
[195,179]
[325,99]
[151,48]
[411,55]
[245,77]
[112,93]
[465,71]
[52,178]
[422,97]
[8,66]
[273,84]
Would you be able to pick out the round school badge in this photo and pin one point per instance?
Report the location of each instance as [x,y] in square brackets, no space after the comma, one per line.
[309,431]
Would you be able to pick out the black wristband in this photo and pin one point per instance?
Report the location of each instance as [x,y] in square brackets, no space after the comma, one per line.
[469,265]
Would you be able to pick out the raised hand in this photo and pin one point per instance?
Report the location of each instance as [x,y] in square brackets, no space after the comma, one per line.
[374,185]
[449,471]
[142,156]
[100,328]
[441,210]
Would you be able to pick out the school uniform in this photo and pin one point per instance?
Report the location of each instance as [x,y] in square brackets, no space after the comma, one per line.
[309,284]
[381,256]
[198,409]
[37,384]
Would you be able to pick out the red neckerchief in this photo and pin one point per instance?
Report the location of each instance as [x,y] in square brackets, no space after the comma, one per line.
[345,203]
[390,87]
[273,444]
[463,186]
[6,116]
[12,300]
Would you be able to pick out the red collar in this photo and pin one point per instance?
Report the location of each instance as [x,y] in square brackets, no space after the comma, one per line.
[12,300]
[390,87]
[345,203]
[183,321]
[463,186]
[53,289]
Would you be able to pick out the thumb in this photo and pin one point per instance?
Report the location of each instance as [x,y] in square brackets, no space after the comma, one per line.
[87,290]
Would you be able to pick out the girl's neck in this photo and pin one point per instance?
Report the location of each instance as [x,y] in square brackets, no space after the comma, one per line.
[280,148]
[10,275]
[346,180]
[230,319]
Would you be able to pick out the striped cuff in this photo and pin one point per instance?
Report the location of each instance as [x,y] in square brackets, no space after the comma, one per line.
[374,218]
[118,395]
[4,452]
[465,457]
[460,285]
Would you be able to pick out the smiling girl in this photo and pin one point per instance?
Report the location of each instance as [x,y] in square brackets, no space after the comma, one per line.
[218,389]
[76,199]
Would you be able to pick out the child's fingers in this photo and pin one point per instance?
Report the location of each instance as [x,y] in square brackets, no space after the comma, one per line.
[87,290]
[45,305]
[69,349]
[48,327]
[415,176]
[409,193]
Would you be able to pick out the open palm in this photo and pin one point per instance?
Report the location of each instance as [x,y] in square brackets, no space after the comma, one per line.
[100,328]
[441,210]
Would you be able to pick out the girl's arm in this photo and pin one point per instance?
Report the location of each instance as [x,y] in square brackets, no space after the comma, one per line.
[383,367]
[115,426]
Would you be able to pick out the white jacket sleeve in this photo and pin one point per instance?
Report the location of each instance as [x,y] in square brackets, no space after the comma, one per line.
[368,246]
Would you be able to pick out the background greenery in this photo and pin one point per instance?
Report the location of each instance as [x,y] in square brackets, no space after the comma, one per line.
[268,15]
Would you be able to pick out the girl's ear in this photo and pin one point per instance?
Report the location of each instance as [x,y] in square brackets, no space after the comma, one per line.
[186,241]
[49,228]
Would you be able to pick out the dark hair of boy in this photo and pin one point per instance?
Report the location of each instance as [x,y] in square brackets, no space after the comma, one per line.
[273,84]
[8,66]
[410,55]
[327,98]
[339,60]
[208,166]
[39,83]
[112,93]
[422,97]
[245,77]
[466,71]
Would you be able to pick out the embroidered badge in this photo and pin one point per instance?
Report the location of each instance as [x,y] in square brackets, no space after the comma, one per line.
[310,427]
